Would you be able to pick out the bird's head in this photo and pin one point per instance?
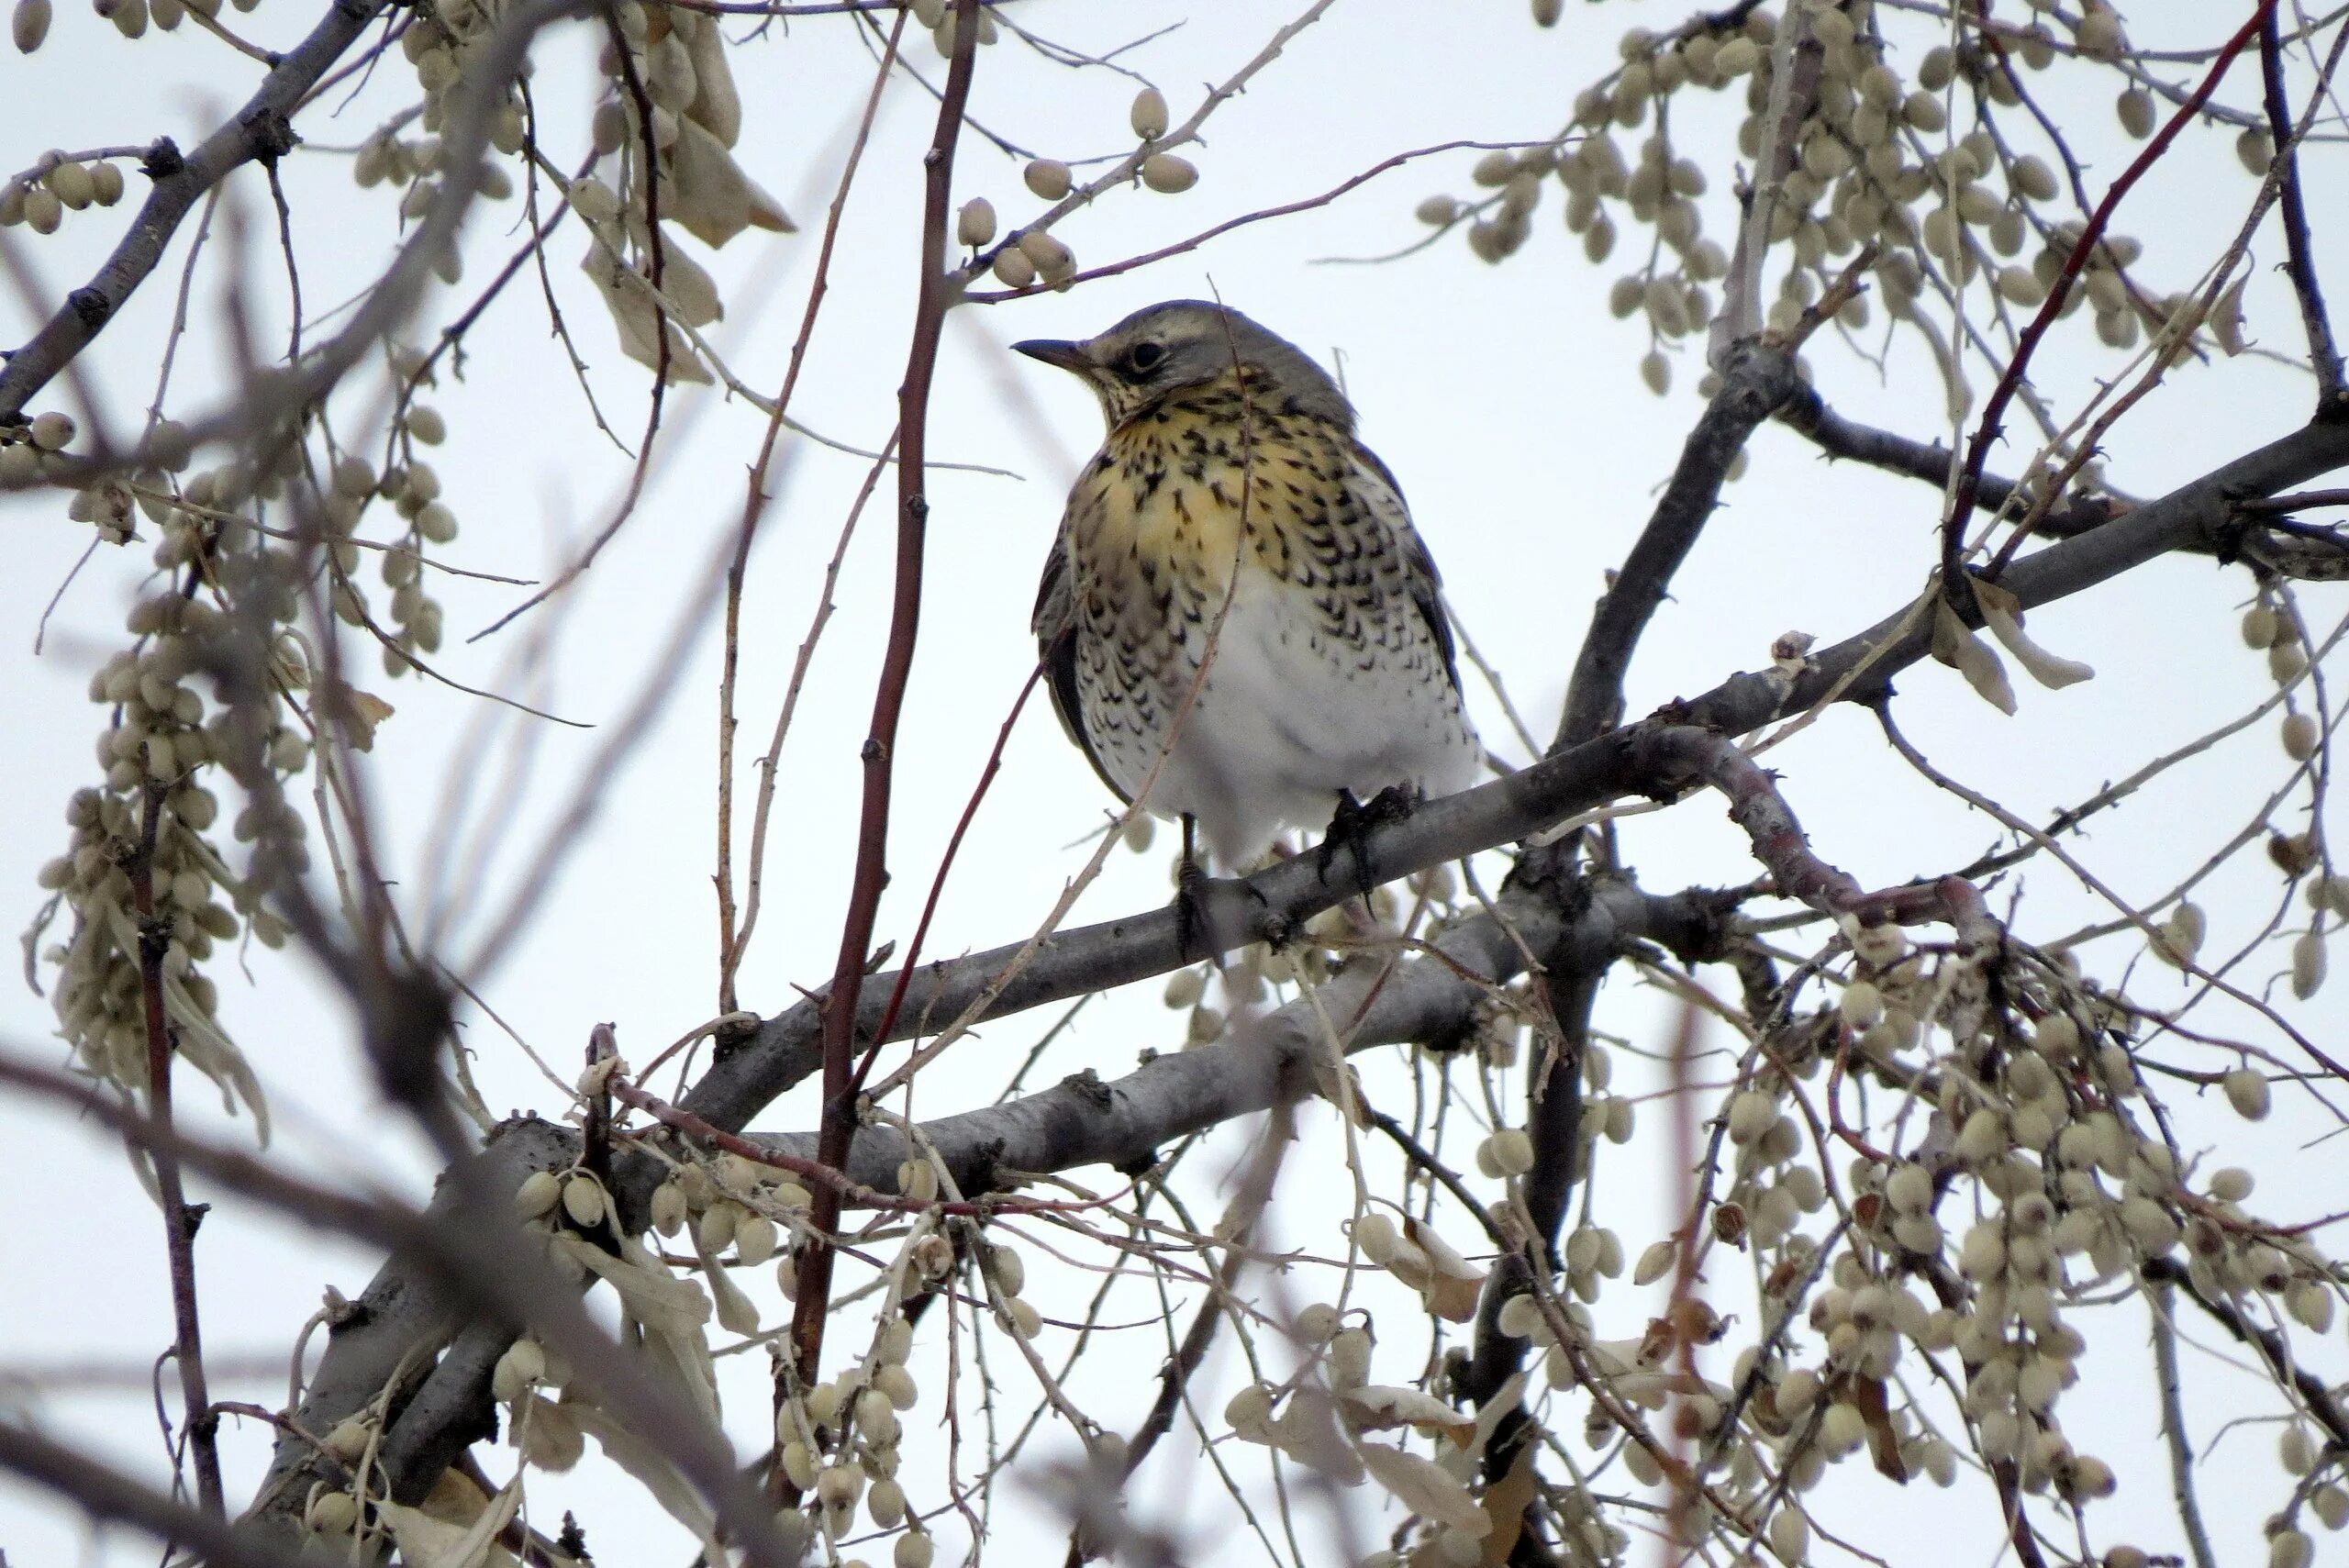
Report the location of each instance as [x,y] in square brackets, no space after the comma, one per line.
[1167,349]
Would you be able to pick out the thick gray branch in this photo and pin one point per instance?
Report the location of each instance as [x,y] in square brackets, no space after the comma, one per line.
[1117,953]
[386,1338]
[1416,999]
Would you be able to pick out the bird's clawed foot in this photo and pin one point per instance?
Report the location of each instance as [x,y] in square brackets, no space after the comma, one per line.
[1352,822]
[1194,930]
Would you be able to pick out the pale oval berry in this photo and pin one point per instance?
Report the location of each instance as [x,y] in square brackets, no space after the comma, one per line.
[1012,268]
[425,425]
[1437,211]
[2260,626]
[1653,1261]
[1008,1268]
[330,1513]
[1249,1411]
[2255,150]
[2300,735]
[1750,1114]
[975,224]
[1047,252]
[1047,177]
[1317,1323]
[29,24]
[1148,115]
[2031,178]
[2099,33]
[1512,1150]
[538,1194]
[1377,1236]
[1789,1534]
[668,1208]
[2135,107]
[52,431]
[2308,965]
[1167,174]
[1655,371]
[582,1200]
[43,211]
[72,183]
[1183,988]
[2286,1549]
[913,1550]
[887,1502]
[2246,1090]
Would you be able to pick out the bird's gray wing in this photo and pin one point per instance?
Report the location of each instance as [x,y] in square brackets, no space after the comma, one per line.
[1055,627]
[1373,485]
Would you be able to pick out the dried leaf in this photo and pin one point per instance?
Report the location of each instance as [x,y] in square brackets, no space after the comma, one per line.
[639,320]
[657,1476]
[1307,1430]
[1883,1442]
[2226,319]
[426,1541]
[1453,1282]
[1420,1485]
[735,1313]
[1956,643]
[708,192]
[1505,1503]
[1381,1405]
[716,104]
[2002,613]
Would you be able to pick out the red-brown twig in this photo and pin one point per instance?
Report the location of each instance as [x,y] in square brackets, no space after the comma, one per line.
[1978,453]
[179,1220]
[888,702]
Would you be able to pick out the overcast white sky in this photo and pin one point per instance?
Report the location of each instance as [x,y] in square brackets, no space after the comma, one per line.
[1505,400]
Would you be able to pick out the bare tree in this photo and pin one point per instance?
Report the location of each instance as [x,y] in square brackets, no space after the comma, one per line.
[1958,1165]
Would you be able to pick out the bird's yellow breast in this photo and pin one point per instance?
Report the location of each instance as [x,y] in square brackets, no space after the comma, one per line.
[1182,493]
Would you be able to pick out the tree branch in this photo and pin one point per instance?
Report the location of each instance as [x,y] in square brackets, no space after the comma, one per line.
[1273,903]
[261,130]
[2299,260]
[1756,379]
[872,873]
[107,1494]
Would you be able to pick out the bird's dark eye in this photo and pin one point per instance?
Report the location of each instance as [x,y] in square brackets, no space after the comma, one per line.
[1144,357]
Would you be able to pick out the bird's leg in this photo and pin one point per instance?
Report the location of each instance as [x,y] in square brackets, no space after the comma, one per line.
[1352,821]
[1191,886]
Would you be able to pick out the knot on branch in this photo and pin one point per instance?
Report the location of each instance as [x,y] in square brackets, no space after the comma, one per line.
[1757,380]
[161,160]
[91,307]
[269,133]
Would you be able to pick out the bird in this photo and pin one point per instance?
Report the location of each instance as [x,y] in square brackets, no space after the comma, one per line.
[1238,623]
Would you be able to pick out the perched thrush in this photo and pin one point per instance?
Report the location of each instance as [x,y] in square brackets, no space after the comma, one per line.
[1240,625]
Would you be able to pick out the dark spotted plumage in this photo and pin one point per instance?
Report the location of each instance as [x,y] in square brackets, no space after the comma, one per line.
[1231,504]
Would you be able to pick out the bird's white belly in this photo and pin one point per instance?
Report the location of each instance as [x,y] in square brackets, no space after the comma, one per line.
[1289,716]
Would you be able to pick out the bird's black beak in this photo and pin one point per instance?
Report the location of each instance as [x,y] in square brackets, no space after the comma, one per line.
[1069,356]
